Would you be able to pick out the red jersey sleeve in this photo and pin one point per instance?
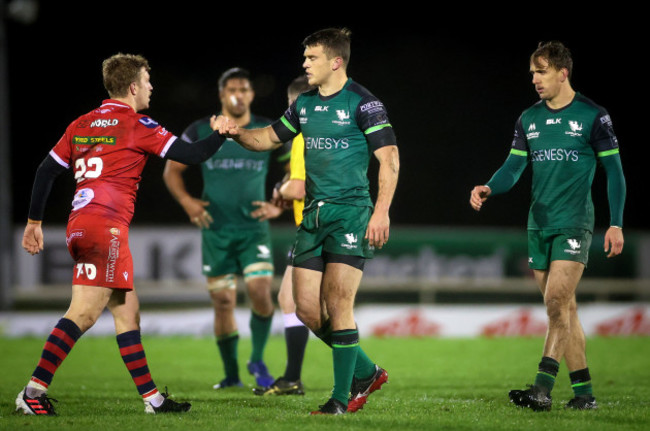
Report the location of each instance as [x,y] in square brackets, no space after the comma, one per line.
[62,151]
[151,137]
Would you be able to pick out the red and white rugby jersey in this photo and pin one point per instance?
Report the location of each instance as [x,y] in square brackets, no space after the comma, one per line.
[107,149]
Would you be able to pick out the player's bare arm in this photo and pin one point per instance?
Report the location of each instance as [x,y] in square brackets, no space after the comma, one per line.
[478,196]
[379,224]
[194,208]
[263,139]
[293,189]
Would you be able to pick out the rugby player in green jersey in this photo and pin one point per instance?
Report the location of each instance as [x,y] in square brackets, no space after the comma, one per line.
[233,242]
[563,136]
[342,124]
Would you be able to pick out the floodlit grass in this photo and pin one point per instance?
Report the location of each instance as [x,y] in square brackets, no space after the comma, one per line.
[448,384]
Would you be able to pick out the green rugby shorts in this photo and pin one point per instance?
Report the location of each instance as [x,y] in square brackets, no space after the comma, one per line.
[545,246]
[334,228]
[230,251]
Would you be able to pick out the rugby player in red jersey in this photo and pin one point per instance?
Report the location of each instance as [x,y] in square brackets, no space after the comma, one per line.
[107,149]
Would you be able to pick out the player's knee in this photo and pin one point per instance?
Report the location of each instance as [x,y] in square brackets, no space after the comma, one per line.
[83,319]
[310,318]
[223,303]
[225,283]
[557,306]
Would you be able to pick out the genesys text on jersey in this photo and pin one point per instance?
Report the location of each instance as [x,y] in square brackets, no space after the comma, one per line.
[326,143]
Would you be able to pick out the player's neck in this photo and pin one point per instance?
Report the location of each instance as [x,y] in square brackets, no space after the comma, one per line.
[129,100]
[334,84]
[563,98]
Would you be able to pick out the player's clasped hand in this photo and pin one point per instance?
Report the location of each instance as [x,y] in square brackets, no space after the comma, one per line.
[224,125]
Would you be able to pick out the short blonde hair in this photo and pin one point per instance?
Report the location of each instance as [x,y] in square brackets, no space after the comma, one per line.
[120,70]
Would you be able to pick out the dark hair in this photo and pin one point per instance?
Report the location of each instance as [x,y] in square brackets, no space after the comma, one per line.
[299,85]
[555,53]
[232,73]
[335,42]
[120,70]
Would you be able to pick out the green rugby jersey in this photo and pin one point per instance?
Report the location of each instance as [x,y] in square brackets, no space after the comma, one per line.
[232,178]
[341,132]
[563,146]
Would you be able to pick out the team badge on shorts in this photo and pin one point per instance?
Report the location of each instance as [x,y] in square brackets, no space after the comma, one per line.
[574,246]
[351,240]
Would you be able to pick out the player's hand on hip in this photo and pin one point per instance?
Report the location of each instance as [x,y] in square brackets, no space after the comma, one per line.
[478,196]
[614,241]
[195,209]
[33,238]
[378,230]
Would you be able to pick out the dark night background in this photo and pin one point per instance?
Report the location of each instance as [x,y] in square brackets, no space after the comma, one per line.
[454,86]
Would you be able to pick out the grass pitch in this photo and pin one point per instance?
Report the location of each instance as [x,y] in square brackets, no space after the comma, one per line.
[448,384]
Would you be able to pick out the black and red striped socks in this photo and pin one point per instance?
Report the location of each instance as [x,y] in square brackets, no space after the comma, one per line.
[57,347]
[135,360]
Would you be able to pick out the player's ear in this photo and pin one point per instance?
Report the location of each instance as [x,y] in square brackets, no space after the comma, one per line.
[337,63]
[565,74]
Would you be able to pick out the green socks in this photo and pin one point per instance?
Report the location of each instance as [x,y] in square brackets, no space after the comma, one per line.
[581,383]
[345,347]
[364,367]
[260,330]
[227,345]
[547,371]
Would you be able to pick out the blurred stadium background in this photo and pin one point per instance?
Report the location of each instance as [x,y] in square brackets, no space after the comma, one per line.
[454,90]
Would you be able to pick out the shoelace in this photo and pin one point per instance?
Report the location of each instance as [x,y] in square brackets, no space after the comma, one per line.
[46,402]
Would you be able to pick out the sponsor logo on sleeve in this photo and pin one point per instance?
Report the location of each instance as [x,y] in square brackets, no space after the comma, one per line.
[148,122]
[372,107]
